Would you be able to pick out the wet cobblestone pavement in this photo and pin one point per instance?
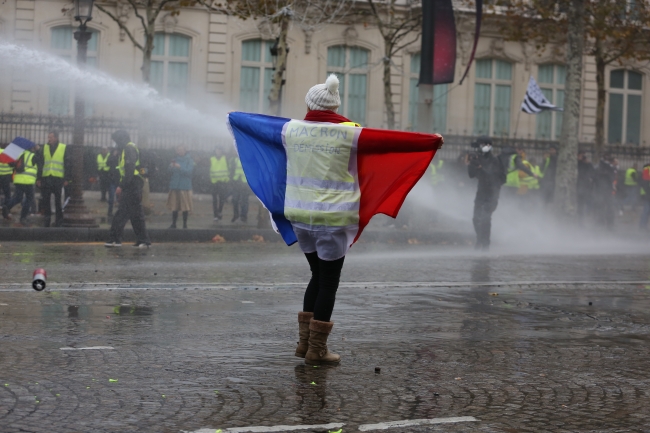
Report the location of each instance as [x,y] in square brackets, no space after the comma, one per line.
[200,336]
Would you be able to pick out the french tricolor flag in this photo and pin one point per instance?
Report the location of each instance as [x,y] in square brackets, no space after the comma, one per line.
[384,165]
[16,148]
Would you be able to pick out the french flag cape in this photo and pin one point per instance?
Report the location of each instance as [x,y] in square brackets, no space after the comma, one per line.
[388,163]
[14,149]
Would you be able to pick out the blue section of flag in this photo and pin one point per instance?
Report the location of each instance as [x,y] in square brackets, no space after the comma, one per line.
[23,142]
[260,148]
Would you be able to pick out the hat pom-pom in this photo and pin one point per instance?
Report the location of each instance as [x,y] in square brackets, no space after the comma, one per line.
[332,84]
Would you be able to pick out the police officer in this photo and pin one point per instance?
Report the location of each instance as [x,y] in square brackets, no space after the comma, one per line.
[54,176]
[102,172]
[129,192]
[489,171]
[549,170]
[24,180]
[219,178]
[240,192]
[644,183]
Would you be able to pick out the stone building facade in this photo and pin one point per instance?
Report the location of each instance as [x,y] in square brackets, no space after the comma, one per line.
[203,59]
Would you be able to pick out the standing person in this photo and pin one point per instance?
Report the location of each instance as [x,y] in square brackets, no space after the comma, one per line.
[585,184]
[54,177]
[322,181]
[6,173]
[549,169]
[489,171]
[24,181]
[129,192]
[180,186]
[219,177]
[113,176]
[512,160]
[102,172]
[240,192]
[644,182]
[631,185]
[604,191]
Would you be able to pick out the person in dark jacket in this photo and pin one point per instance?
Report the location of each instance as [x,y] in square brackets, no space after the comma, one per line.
[549,170]
[585,184]
[490,173]
[180,186]
[604,191]
[129,193]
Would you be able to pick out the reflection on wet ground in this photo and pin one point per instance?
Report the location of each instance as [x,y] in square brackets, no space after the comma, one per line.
[514,343]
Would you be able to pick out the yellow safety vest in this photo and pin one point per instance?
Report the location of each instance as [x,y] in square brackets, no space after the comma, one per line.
[529,181]
[239,171]
[136,172]
[219,169]
[53,165]
[5,169]
[102,162]
[321,191]
[27,177]
[512,179]
[629,181]
[436,177]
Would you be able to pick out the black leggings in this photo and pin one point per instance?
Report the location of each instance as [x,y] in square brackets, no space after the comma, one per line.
[321,291]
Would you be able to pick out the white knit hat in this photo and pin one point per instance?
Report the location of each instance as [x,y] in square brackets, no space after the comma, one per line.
[324,96]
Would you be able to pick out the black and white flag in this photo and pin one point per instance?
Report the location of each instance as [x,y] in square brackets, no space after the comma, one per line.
[535,101]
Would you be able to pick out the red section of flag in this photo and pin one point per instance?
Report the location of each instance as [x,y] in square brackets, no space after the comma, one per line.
[390,163]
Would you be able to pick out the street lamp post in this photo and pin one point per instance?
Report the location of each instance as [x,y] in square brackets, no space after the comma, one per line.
[76,214]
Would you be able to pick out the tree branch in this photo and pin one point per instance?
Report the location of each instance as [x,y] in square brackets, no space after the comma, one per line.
[134,6]
[121,26]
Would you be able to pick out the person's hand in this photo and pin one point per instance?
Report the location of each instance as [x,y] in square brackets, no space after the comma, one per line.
[118,191]
[38,183]
[65,183]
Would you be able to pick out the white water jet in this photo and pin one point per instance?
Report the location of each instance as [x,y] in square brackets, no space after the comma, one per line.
[46,69]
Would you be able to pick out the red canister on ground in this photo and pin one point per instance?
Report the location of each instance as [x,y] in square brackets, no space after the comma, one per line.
[40,276]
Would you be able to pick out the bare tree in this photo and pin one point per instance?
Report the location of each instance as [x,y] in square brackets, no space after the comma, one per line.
[400,25]
[308,15]
[147,12]
[567,163]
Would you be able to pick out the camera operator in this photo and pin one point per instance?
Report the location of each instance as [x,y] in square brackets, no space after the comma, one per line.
[489,171]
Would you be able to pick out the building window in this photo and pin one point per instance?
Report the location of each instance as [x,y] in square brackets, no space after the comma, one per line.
[439,110]
[624,123]
[256,76]
[551,80]
[350,64]
[492,94]
[62,43]
[170,65]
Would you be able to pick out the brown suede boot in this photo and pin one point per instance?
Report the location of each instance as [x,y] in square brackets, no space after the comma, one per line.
[303,325]
[318,353]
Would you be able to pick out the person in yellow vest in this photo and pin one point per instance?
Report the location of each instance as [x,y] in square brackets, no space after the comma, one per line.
[437,177]
[631,186]
[24,181]
[644,183]
[513,162]
[129,192]
[220,179]
[529,187]
[54,175]
[240,192]
[6,173]
[102,172]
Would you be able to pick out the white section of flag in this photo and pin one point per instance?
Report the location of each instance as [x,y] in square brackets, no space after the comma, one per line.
[535,101]
[13,151]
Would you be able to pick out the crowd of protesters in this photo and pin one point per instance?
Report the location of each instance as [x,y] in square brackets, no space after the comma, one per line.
[604,189]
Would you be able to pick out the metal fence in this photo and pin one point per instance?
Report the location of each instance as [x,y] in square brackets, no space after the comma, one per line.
[98,130]
[155,136]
